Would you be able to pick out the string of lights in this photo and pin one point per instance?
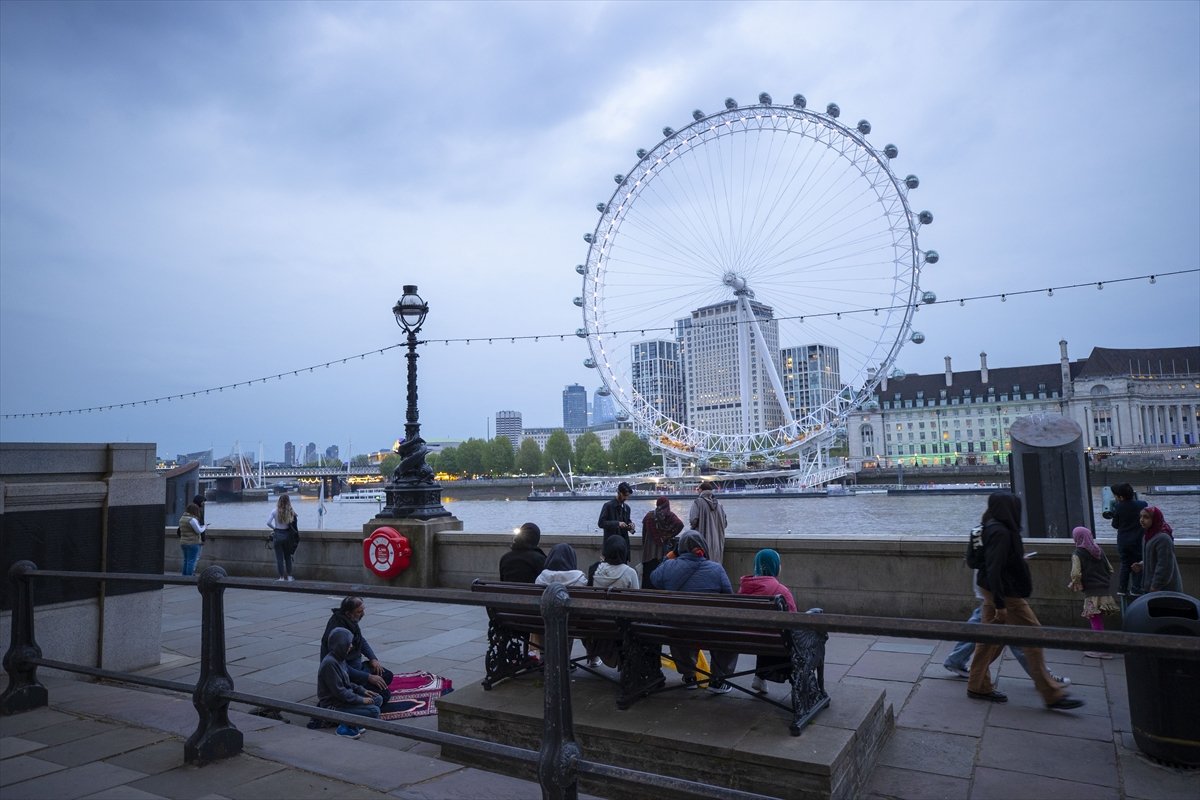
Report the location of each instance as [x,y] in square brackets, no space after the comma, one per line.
[962,301]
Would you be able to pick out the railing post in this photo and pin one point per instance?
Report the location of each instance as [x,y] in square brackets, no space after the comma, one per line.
[556,762]
[215,735]
[24,692]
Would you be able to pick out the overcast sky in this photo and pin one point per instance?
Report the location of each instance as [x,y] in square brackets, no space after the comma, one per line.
[199,194]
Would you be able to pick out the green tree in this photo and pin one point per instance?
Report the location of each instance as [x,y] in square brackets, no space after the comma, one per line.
[361,460]
[558,450]
[628,452]
[529,457]
[498,456]
[448,461]
[389,464]
[591,455]
[434,461]
[470,456]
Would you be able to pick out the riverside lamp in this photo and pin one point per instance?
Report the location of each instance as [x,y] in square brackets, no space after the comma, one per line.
[412,493]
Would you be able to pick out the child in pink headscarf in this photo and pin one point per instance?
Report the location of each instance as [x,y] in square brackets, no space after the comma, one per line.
[1092,574]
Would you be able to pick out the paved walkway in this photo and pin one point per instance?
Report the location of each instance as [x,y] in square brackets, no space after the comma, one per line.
[104,741]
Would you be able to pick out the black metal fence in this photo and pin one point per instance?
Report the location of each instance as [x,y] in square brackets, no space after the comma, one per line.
[560,761]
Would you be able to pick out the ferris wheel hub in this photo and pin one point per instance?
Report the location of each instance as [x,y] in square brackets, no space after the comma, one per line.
[737,283]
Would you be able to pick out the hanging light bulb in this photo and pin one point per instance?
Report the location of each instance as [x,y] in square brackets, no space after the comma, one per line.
[1100,286]
[1003,298]
[1153,279]
[962,302]
[1050,293]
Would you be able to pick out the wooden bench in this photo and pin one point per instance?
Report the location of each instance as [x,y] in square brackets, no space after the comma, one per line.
[641,642]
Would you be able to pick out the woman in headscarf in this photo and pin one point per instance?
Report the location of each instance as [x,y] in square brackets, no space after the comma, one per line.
[1091,573]
[1005,583]
[659,527]
[611,573]
[1158,567]
[561,568]
[765,581]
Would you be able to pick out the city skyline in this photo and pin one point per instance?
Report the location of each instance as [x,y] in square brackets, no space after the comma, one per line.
[253,206]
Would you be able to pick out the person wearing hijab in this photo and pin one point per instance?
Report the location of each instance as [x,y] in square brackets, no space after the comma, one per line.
[336,691]
[611,573]
[659,527]
[561,568]
[688,569]
[765,581]
[1005,583]
[708,517]
[525,560]
[1158,567]
[1091,573]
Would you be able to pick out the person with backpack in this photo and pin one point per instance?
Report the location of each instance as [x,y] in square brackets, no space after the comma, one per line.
[1005,583]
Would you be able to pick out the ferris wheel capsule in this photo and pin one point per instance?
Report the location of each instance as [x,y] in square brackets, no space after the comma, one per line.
[912,181]
[925,217]
[581,269]
[897,375]
[587,237]
[891,151]
[764,98]
[799,101]
[833,110]
[602,207]
[590,363]
[697,115]
[578,301]
[928,297]
[641,153]
[864,127]
[730,103]
[618,179]
[668,132]
[581,333]
[931,256]
[917,337]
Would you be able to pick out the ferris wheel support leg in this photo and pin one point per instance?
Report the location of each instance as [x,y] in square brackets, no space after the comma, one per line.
[768,363]
[744,359]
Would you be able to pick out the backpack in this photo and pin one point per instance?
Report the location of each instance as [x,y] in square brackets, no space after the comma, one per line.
[974,556]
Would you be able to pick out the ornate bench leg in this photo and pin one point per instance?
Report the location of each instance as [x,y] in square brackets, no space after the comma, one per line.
[506,656]
[641,671]
[807,677]
[24,692]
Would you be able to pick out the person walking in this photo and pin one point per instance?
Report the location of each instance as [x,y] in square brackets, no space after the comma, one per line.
[614,515]
[1091,573]
[708,517]
[659,527]
[191,538]
[1005,583]
[765,581]
[1159,568]
[1124,516]
[282,523]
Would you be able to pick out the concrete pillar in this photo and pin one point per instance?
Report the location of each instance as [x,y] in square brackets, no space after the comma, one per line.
[1049,474]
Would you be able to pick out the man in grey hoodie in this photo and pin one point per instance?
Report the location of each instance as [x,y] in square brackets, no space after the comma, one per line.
[336,691]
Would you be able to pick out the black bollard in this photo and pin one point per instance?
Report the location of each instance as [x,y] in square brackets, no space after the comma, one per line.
[23,692]
[556,761]
[215,735]
[1049,473]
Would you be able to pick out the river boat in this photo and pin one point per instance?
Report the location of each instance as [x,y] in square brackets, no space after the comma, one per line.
[948,488]
[363,496]
[1174,490]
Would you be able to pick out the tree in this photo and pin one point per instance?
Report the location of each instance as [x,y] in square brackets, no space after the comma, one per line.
[558,450]
[529,457]
[470,457]
[361,460]
[498,456]
[389,464]
[591,455]
[628,452]
[448,461]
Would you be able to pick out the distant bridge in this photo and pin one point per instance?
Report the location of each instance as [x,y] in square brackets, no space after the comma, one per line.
[274,473]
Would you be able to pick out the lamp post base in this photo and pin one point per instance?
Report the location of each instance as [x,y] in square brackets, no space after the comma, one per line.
[413,500]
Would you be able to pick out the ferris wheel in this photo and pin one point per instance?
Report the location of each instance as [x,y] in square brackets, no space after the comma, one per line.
[752,279]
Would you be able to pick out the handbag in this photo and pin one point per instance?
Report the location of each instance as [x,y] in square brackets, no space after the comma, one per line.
[293,540]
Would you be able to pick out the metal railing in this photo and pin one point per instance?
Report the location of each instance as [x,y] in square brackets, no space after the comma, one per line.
[560,761]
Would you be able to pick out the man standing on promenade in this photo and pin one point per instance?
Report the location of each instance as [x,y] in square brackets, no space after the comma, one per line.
[614,516]
[708,517]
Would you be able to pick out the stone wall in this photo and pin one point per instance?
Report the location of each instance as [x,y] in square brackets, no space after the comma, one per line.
[889,576]
[85,507]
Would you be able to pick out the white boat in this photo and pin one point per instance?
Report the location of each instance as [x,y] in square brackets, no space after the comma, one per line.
[363,496]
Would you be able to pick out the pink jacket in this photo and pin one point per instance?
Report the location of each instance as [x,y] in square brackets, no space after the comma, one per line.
[766,585]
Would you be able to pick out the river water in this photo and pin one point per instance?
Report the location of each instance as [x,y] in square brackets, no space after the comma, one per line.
[915,515]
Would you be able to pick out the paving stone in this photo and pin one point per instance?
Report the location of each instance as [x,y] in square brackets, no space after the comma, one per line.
[100,746]
[998,784]
[72,783]
[1145,779]
[937,753]
[189,782]
[123,793]
[889,783]
[1066,758]
[14,746]
[152,759]
[69,731]
[903,647]
[889,666]
[297,785]
[842,649]
[1075,723]
[939,705]
[22,768]
[19,724]
[470,784]
[896,693]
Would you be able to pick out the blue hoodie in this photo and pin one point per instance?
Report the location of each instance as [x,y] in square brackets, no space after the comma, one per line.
[691,573]
[334,687]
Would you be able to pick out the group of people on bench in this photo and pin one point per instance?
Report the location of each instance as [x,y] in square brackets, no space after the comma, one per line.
[684,566]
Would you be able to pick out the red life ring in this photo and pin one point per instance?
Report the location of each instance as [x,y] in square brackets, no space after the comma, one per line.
[386,552]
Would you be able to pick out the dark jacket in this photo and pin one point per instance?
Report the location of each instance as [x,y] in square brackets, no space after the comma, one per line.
[1125,520]
[522,564]
[691,573]
[359,650]
[334,687]
[613,513]
[1095,574]
[1005,572]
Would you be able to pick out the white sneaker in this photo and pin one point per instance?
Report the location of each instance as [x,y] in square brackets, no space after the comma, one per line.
[593,662]
[1063,679]
[758,685]
[290,578]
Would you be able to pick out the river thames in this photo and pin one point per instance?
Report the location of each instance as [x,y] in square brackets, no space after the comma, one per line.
[868,514]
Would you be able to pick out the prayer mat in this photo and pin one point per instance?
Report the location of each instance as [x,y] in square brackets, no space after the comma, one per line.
[414,695]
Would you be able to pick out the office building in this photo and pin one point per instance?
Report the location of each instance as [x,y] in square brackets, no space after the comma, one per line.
[603,408]
[575,407]
[508,424]
[331,452]
[289,454]
[656,375]
[310,453]
[811,380]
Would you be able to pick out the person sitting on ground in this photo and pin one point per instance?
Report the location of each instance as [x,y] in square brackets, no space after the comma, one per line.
[337,692]
[1159,568]
[611,573]
[525,560]
[659,527]
[688,569]
[765,581]
[561,567]
[364,667]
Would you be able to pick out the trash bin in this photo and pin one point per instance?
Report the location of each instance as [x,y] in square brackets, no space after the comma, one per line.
[1164,692]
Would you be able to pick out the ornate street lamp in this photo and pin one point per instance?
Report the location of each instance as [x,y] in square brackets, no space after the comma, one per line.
[412,493]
